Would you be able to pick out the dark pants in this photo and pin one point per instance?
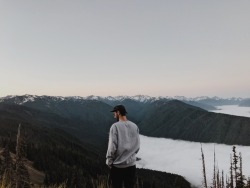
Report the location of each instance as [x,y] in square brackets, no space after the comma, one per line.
[122,176]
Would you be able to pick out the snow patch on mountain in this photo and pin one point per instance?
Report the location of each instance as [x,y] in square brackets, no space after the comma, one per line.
[140,98]
[29,98]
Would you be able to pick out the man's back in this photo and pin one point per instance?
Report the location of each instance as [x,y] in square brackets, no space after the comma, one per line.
[125,142]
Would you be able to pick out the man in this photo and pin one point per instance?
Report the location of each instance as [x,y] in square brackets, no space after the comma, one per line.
[124,143]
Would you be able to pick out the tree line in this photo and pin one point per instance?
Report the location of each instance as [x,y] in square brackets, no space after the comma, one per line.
[235,178]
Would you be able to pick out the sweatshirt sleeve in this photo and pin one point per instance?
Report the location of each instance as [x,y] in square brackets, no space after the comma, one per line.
[112,146]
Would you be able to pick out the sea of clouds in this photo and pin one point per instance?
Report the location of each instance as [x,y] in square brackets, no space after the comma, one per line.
[184,158]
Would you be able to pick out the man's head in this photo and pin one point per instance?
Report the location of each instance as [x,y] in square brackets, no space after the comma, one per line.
[119,110]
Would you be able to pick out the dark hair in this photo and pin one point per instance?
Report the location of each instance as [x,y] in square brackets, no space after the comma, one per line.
[122,112]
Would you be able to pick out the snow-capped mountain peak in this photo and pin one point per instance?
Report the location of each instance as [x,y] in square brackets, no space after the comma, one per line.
[22,99]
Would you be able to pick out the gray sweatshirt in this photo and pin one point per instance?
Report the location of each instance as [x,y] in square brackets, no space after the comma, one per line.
[124,143]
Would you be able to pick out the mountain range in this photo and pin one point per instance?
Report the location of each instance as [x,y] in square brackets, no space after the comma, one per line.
[216,101]
[89,118]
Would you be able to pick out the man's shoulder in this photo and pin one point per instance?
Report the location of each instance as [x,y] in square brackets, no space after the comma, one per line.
[120,123]
[131,122]
[113,125]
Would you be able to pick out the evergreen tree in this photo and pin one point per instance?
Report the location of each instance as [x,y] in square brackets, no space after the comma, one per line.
[248,183]
[203,169]
[235,167]
[214,174]
[21,176]
[222,179]
[231,173]
[218,179]
[241,174]
[227,182]
[241,178]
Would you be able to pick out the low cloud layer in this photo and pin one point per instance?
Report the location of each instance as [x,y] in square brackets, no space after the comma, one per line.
[184,158]
[233,110]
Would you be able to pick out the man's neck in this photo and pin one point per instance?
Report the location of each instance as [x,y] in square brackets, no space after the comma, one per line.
[122,118]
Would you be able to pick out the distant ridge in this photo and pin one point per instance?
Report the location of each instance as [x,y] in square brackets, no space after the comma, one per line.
[177,120]
[245,103]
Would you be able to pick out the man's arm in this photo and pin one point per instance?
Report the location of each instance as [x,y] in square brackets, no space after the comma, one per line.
[112,146]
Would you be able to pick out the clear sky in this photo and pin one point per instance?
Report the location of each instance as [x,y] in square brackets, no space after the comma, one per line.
[103,47]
